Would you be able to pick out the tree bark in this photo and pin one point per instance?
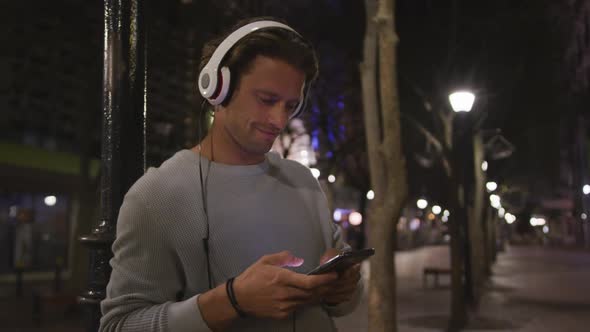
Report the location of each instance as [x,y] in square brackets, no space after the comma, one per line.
[371,107]
[386,161]
[476,222]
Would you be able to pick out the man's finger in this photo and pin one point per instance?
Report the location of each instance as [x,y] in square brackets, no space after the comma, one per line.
[283,258]
[308,282]
[329,254]
[297,294]
[352,270]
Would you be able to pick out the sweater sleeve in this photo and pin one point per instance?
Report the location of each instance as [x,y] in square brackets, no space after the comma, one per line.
[344,308]
[334,239]
[145,279]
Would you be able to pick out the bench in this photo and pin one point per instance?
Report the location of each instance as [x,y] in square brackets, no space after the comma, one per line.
[50,302]
[435,272]
[53,299]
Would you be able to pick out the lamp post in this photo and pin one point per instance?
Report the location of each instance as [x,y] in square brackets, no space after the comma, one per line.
[123,138]
[461,101]
[460,144]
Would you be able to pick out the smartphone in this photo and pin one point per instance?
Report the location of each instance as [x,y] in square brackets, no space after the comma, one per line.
[343,261]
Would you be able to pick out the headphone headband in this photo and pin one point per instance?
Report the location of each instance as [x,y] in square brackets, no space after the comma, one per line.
[213,82]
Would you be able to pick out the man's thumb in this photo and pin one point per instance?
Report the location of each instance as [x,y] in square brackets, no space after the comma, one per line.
[283,258]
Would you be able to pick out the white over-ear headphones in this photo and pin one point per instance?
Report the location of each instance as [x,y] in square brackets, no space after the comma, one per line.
[214,82]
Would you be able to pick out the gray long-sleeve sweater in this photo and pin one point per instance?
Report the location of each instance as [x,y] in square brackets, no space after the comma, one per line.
[159,266]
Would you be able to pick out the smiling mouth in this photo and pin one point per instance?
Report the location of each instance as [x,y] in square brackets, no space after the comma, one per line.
[269,133]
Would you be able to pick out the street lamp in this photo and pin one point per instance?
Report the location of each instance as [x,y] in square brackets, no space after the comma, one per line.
[315,172]
[510,218]
[436,209]
[355,218]
[586,189]
[484,166]
[50,200]
[462,101]
[422,203]
[491,186]
[495,201]
[537,221]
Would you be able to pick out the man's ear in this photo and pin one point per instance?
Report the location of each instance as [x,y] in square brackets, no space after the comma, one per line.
[219,112]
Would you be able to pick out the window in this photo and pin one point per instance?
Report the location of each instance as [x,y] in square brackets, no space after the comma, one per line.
[34,231]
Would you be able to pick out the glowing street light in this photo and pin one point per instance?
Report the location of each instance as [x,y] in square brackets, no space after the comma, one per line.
[510,218]
[370,194]
[462,101]
[50,200]
[446,213]
[491,186]
[422,203]
[337,215]
[355,218]
[495,201]
[315,172]
[537,221]
[586,189]
[331,178]
[436,209]
[484,166]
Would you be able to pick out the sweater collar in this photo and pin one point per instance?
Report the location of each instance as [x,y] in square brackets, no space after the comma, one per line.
[225,169]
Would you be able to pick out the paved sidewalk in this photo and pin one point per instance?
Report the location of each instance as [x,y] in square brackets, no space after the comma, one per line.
[532,289]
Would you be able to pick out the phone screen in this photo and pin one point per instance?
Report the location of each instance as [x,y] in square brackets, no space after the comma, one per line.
[343,261]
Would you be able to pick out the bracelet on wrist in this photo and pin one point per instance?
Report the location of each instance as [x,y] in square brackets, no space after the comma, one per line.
[229,288]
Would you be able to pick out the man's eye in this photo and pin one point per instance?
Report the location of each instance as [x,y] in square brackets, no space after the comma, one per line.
[267,101]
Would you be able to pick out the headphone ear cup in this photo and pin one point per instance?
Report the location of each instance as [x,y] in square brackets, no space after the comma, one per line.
[223,81]
[207,83]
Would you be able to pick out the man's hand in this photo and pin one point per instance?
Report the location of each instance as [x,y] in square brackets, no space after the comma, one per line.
[344,287]
[266,289]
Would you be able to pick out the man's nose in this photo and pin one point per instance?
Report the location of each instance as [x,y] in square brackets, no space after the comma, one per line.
[278,115]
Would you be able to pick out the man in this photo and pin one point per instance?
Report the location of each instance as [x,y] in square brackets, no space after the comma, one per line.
[220,237]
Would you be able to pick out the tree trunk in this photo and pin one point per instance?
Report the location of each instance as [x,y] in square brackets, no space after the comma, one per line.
[493,235]
[487,235]
[386,162]
[476,222]
[370,104]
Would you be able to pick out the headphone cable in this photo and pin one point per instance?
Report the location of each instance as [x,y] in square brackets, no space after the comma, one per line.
[204,201]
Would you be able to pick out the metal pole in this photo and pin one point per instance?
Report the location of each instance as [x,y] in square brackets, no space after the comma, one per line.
[123,137]
[463,151]
[458,317]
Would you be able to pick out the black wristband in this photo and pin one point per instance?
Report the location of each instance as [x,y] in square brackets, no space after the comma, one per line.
[229,288]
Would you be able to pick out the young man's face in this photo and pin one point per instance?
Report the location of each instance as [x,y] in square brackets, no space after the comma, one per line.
[266,97]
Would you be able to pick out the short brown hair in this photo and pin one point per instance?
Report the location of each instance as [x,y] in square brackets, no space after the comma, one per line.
[276,43]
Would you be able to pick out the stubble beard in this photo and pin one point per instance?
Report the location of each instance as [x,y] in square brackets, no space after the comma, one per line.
[249,145]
